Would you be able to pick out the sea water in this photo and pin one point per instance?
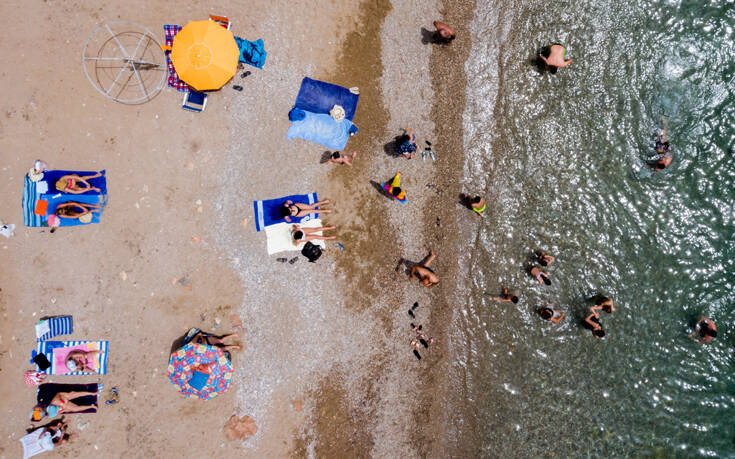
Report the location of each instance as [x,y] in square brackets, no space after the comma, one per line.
[561,160]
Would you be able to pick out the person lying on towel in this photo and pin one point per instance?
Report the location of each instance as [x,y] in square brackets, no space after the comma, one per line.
[72,183]
[307,234]
[74,209]
[81,360]
[60,404]
[301,209]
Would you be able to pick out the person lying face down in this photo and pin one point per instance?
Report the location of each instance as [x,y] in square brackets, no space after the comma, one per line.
[425,273]
[299,209]
[301,235]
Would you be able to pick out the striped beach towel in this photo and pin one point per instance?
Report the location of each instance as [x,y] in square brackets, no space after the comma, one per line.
[54,326]
[57,351]
[169,32]
[30,199]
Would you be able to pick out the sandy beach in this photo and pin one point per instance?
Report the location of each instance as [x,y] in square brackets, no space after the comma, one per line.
[325,369]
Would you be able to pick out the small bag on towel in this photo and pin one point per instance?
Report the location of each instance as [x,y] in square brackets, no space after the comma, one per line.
[311,251]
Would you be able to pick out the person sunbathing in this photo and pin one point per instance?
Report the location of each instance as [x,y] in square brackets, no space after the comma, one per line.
[74,184]
[62,403]
[299,209]
[81,360]
[301,235]
[425,273]
[339,158]
[76,210]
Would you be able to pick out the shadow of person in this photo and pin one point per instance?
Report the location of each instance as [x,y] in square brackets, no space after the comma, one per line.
[428,36]
[465,200]
[391,148]
[539,63]
[407,264]
[381,190]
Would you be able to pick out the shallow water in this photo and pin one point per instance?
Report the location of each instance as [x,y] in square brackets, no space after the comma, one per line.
[561,160]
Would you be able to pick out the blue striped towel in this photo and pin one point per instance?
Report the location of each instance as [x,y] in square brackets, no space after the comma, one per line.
[54,326]
[49,347]
[268,212]
[30,198]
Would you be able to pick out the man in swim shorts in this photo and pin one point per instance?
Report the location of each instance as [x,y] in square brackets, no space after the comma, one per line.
[557,57]
[478,205]
[425,273]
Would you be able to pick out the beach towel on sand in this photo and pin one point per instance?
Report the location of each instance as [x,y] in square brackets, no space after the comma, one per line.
[268,212]
[58,198]
[46,393]
[319,97]
[322,129]
[57,351]
[280,238]
[36,442]
[169,32]
[45,189]
[251,52]
[54,326]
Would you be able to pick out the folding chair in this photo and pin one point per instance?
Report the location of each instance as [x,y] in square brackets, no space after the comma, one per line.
[194,101]
[221,20]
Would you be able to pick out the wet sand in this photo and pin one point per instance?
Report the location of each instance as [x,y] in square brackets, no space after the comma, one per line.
[327,368]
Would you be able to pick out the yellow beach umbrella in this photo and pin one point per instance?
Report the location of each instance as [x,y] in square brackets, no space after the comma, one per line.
[205,55]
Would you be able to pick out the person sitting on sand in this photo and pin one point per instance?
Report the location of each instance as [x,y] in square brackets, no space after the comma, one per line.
[704,331]
[299,209]
[425,273]
[76,210]
[444,34]
[592,322]
[339,158]
[51,436]
[62,403]
[556,57]
[478,205]
[71,183]
[603,303]
[544,259]
[200,337]
[506,297]
[663,155]
[301,235]
[407,144]
[541,276]
[550,314]
[81,360]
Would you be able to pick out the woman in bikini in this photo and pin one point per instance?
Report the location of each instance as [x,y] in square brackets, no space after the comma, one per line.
[541,276]
[301,235]
[300,209]
[74,209]
[81,360]
[74,184]
[62,403]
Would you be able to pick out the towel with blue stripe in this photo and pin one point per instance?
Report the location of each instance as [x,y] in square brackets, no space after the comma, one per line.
[268,212]
[54,326]
[45,189]
[56,352]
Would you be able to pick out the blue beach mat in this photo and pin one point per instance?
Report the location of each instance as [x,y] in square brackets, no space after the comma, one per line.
[55,199]
[322,129]
[267,212]
[319,97]
[33,191]
[251,52]
[51,177]
[54,326]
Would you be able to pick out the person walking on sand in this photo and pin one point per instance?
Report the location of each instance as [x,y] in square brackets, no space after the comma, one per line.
[556,58]
[541,276]
[506,297]
[301,235]
[544,259]
[424,272]
[550,314]
[444,34]
[339,158]
[478,205]
[704,331]
[300,209]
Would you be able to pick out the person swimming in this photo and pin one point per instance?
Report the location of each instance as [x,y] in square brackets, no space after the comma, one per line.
[550,314]
[663,157]
[541,276]
[592,323]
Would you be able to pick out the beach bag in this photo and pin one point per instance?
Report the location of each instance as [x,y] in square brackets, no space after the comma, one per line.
[311,251]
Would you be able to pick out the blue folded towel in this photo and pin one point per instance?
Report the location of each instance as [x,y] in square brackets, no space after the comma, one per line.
[268,213]
[57,198]
[61,325]
[319,97]
[251,52]
[322,129]
[30,199]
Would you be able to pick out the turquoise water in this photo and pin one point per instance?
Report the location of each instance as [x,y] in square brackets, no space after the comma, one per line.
[561,158]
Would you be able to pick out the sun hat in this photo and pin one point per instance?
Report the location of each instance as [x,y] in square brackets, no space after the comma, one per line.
[35,175]
[338,113]
[86,218]
[71,364]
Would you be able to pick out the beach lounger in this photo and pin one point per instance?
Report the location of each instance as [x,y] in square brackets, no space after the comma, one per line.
[280,239]
[57,351]
[46,393]
[169,32]
[224,21]
[267,212]
[195,101]
[54,326]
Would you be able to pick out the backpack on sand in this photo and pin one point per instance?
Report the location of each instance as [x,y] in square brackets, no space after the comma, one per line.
[311,251]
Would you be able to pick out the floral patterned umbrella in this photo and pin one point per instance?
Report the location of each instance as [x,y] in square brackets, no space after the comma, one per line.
[200,370]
